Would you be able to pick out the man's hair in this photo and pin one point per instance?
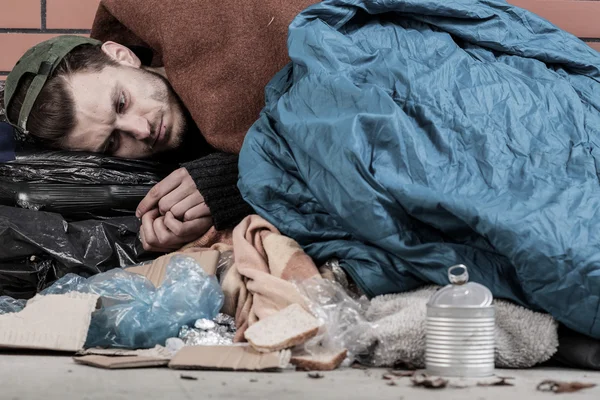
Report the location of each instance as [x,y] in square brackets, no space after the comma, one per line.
[53,114]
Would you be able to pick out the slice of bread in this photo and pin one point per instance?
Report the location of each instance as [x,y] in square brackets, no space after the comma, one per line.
[288,328]
[326,361]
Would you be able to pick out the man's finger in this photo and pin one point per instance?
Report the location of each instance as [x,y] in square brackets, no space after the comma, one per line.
[187,204]
[173,224]
[159,190]
[147,246]
[147,228]
[165,237]
[176,196]
[199,211]
[190,230]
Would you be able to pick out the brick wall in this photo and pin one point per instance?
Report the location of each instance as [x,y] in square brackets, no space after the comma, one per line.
[580,17]
[23,23]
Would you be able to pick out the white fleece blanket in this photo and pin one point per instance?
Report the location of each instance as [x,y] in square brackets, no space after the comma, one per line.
[524,338]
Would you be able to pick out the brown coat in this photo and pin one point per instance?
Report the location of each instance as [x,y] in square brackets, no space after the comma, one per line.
[218,54]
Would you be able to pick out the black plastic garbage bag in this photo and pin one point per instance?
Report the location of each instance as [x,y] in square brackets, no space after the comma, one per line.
[80,168]
[37,247]
[74,202]
[77,185]
[24,278]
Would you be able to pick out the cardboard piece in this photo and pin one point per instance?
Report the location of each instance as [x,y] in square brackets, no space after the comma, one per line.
[156,271]
[53,322]
[111,362]
[156,352]
[232,358]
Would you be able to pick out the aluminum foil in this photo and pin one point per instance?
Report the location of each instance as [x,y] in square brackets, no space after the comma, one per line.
[205,324]
[217,332]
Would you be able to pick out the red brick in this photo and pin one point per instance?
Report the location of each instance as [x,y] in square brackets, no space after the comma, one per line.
[70,14]
[20,14]
[578,17]
[14,45]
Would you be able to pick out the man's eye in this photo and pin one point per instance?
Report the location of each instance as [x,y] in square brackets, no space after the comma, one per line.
[121,104]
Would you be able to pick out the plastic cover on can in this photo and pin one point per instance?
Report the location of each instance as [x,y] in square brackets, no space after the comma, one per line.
[461,292]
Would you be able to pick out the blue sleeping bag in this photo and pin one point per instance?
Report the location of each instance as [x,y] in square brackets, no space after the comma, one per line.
[407,136]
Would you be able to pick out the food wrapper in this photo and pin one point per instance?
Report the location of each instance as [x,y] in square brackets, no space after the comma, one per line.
[217,332]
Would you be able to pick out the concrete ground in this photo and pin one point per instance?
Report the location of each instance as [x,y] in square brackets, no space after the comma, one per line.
[53,377]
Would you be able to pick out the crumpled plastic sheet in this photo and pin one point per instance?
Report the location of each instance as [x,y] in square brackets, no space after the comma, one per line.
[343,319]
[9,305]
[216,332]
[137,315]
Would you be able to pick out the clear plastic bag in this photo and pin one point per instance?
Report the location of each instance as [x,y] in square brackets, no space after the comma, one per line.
[225,262]
[343,319]
[137,315]
[9,305]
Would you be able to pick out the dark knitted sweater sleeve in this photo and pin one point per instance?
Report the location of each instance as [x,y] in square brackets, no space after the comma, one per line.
[216,176]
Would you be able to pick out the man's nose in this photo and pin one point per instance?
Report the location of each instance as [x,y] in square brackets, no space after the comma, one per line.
[138,127]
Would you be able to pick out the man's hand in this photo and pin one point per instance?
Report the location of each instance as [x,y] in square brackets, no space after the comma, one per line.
[176,193]
[173,213]
[165,233]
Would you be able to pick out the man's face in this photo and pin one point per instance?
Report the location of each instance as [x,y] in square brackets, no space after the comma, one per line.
[125,111]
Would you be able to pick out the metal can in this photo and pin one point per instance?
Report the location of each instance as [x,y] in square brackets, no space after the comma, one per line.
[460,332]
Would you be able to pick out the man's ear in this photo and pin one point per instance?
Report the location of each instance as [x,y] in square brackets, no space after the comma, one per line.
[121,54]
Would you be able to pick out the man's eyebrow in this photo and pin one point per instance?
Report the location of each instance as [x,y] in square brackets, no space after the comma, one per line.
[114,98]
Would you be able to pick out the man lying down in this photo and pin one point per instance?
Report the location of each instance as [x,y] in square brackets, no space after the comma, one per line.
[97,95]
[99,98]
[404,137]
